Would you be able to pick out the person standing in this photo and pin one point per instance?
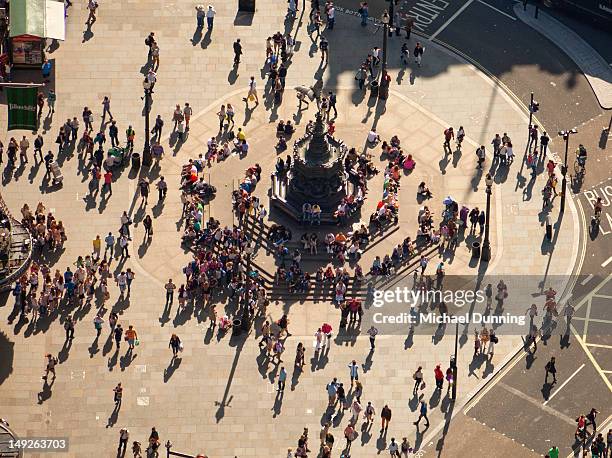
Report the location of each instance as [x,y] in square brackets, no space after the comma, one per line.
[147,222]
[98,322]
[385,415]
[360,76]
[282,378]
[144,187]
[372,332]
[38,144]
[200,15]
[170,287]
[124,435]
[130,135]
[237,51]
[24,144]
[544,139]
[423,414]
[106,108]
[210,17]
[113,133]
[480,156]
[550,369]
[533,137]
[51,99]
[124,244]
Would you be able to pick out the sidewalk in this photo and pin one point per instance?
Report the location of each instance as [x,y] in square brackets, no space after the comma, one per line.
[595,68]
[221,399]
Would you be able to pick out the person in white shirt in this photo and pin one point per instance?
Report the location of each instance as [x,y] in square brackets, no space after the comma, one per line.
[373,137]
[210,16]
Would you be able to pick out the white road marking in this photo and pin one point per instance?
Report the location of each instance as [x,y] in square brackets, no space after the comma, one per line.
[586,280]
[606,262]
[536,402]
[563,384]
[451,19]
[498,10]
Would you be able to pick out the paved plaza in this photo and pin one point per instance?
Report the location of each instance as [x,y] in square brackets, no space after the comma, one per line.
[219,397]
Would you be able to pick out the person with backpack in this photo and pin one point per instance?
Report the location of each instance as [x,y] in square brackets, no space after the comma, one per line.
[423,414]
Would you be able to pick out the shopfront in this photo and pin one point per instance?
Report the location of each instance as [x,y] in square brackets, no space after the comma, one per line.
[31,22]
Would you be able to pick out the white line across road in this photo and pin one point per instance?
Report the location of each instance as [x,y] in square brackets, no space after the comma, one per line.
[451,19]
[562,385]
[606,262]
[498,10]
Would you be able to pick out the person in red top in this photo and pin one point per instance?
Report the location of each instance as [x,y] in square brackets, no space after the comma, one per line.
[449,134]
[108,180]
[439,377]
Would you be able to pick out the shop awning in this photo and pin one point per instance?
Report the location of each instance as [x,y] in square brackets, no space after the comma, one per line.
[39,18]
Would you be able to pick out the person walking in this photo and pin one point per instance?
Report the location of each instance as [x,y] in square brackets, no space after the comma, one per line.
[385,415]
[106,108]
[252,94]
[92,6]
[187,112]
[200,15]
[162,189]
[210,17]
[98,321]
[439,376]
[38,144]
[353,371]
[418,379]
[324,47]
[394,449]
[51,99]
[118,334]
[144,187]
[550,368]
[124,435]
[372,332]
[131,336]
[332,104]
[147,222]
[50,367]
[237,51]
[69,328]
[282,378]
[124,244]
[418,53]
[170,287]
[175,345]
[423,414]
[118,394]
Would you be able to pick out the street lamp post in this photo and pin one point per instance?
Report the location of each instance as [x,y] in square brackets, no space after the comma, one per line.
[566,135]
[454,362]
[147,159]
[486,246]
[383,91]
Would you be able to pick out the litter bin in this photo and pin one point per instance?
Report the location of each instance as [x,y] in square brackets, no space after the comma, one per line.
[135,160]
[236,326]
[475,249]
[374,89]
